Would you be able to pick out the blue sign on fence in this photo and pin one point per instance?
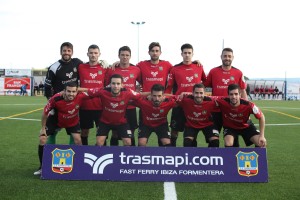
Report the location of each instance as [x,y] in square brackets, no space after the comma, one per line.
[176,164]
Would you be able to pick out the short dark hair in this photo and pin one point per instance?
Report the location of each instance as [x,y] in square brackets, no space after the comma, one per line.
[124,48]
[186,46]
[93,46]
[227,49]
[198,85]
[154,44]
[70,84]
[233,87]
[117,76]
[157,88]
[66,44]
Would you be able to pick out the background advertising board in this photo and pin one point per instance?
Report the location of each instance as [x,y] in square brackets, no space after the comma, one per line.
[179,164]
[18,72]
[12,85]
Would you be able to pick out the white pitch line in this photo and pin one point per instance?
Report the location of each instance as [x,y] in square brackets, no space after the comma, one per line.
[281,108]
[288,124]
[23,119]
[170,191]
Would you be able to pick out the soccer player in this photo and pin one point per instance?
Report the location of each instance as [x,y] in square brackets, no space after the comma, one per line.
[66,108]
[154,71]
[131,74]
[59,74]
[198,110]
[114,100]
[91,75]
[235,113]
[182,78]
[154,114]
[220,77]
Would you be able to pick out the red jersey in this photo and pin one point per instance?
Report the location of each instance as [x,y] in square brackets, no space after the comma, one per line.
[237,117]
[183,77]
[91,77]
[198,115]
[154,73]
[219,79]
[154,116]
[114,108]
[67,111]
[130,75]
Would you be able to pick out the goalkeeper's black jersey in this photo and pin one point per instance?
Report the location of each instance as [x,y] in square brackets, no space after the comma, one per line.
[59,74]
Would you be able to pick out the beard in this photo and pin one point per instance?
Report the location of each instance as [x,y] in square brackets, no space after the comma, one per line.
[226,63]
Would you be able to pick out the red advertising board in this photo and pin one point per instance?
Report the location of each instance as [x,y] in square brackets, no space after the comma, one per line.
[16,83]
[12,85]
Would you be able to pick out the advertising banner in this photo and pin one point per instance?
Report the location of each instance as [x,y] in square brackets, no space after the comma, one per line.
[175,164]
[18,72]
[12,85]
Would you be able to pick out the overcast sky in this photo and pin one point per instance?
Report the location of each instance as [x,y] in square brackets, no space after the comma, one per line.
[264,34]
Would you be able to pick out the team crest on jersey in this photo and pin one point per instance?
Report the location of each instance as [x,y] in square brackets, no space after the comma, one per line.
[62,160]
[75,69]
[240,115]
[160,68]
[247,163]
[204,112]
[77,106]
[161,110]
[122,103]
[131,75]
[100,72]
[232,78]
[196,75]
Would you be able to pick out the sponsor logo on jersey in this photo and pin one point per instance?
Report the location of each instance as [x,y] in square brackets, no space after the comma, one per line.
[155,115]
[189,79]
[225,81]
[69,75]
[114,105]
[93,75]
[154,74]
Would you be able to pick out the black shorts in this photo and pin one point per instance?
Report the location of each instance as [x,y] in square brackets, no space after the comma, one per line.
[132,118]
[177,119]
[88,118]
[246,133]
[162,131]
[217,119]
[52,128]
[208,132]
[122,130]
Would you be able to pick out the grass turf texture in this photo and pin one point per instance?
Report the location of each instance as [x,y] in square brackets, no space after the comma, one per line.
[19,160]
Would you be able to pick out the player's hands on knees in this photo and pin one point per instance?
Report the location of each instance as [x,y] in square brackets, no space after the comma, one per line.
[262,141]
[43,133]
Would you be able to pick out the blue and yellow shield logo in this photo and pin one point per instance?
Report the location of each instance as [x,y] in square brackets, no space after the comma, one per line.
[247,163]
[62,160]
